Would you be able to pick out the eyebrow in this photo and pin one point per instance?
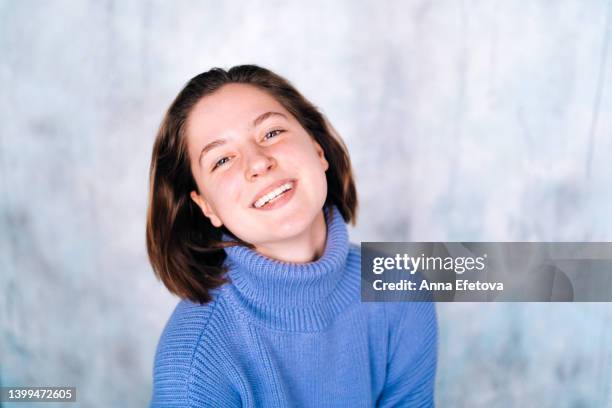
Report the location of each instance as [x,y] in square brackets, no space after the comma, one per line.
[265,116]
[220,142]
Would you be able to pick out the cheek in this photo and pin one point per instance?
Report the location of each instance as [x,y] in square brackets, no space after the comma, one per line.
[224,190]
[310,158]
[310,168]
[300,153]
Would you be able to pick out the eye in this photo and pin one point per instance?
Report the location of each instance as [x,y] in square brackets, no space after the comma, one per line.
[221,162]
[272,133]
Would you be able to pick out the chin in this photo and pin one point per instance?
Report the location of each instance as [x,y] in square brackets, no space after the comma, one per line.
[285,223]
[292,228]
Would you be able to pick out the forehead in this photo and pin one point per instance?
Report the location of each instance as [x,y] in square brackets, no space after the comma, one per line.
[233,107]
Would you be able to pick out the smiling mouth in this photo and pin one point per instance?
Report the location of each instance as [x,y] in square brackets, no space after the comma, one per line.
[273,195]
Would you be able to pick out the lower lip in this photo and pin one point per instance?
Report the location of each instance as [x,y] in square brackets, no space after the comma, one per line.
[280,200]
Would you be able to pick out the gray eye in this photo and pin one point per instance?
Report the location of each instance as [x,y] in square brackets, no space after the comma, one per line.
[272,134]
[221,162]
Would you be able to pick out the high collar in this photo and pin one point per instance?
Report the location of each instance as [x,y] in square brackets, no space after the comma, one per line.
[290,295]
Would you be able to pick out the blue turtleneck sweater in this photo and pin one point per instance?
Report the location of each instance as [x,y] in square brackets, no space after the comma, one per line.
[296,335]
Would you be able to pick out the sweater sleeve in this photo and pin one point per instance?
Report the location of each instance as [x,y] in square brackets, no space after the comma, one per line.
[411,367]
[186,372]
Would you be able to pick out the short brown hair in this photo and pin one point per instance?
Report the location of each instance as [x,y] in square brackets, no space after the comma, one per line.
[184,248]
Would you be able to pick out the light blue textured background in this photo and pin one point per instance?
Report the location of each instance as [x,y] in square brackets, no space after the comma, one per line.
[466,121]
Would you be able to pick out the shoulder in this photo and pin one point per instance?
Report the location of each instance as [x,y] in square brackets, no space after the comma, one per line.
[354,249]
[187,317]
[416,320]
[412,355]
[185,328]
[190,329]
[176,348]
[420,312]
[353,259]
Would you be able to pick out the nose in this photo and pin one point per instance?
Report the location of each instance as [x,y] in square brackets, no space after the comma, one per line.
[258,163]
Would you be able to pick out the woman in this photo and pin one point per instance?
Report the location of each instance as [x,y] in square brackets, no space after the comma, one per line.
[250,194]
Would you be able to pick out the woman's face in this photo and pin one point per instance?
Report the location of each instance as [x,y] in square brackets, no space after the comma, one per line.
[258,171]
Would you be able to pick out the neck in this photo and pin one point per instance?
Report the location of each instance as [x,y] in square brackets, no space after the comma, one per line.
[289,296]
[303,248]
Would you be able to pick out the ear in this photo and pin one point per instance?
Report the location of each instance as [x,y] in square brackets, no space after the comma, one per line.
[206,209]
[321,155]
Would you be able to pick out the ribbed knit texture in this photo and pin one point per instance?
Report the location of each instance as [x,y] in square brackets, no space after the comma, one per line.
[297,335]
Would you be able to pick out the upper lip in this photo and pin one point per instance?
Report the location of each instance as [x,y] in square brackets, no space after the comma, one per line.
[271,187]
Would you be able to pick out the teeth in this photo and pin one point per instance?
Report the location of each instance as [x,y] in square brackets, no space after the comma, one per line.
[273,194]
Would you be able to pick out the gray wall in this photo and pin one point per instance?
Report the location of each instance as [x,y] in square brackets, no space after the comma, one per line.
[466,120]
